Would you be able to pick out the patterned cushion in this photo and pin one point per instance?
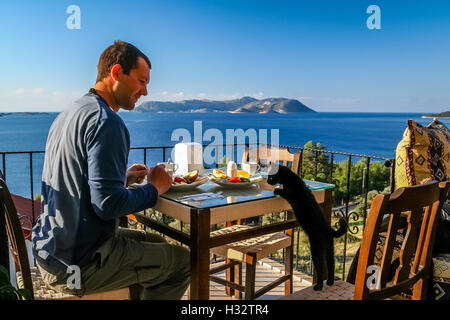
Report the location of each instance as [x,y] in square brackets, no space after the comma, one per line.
[439,287]
[423,154]
[380,247]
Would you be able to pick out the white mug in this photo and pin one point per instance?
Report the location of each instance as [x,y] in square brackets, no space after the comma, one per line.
[251,167]
[170,167]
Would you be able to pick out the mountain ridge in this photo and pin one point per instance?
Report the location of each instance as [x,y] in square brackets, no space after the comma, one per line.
[445,114]
[245,104]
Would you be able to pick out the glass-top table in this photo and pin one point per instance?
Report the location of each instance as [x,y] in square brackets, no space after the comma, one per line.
[222,196]
[230,206]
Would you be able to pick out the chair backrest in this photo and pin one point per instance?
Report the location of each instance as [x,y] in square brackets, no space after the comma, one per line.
[275,155]
[16,237]
[421,205]
[28,212]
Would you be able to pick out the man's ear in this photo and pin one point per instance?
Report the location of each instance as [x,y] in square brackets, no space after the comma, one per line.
[115,71]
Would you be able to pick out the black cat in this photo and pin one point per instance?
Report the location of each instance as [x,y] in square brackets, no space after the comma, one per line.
[310,217]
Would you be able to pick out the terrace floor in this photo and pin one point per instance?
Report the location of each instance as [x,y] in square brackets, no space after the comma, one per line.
[267,271]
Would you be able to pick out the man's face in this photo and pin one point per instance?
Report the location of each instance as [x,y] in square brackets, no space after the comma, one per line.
[130,87]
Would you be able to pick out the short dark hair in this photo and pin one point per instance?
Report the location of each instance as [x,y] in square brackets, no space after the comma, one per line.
[122,53]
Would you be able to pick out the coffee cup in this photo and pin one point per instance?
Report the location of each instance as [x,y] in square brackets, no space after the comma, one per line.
[170,167]
[251,167]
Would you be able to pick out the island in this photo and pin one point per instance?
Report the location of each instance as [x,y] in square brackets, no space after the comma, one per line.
[241,105]
[445,115]
[22,113]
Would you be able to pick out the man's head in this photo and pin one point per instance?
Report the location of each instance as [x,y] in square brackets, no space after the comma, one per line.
[125,70]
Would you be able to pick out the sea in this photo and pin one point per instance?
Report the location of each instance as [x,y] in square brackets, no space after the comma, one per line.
[372,134]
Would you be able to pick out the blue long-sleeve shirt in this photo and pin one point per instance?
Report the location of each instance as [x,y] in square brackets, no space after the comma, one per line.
[84,184]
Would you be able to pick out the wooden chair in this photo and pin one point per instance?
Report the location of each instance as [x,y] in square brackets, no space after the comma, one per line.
[421,205]
[30,278]
[275,155]
[252,250]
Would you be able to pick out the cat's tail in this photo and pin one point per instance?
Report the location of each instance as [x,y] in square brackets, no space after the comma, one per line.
[343,226]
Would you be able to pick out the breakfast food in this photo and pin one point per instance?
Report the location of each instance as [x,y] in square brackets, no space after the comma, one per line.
[178,180]
[217,173]
[191,176]
[188,178]
[235,179]
[241,176]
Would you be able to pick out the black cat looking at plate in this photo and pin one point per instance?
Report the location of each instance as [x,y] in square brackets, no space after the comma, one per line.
[310,217]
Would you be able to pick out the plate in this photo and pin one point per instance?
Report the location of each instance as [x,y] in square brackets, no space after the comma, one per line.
[177,186]
[228,184]
[187,186]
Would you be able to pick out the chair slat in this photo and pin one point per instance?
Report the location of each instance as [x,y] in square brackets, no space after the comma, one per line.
[388,249]
[409,245]
[421,241]
[368,246]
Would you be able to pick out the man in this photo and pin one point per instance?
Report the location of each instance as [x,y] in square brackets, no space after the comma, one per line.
[84,193]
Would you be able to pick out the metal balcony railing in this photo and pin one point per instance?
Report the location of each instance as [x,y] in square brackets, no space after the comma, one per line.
[316,164]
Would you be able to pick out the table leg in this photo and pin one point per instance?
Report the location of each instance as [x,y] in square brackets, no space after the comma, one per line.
[325,199]
[328,204]
[200,225]
[230,272]
[289,257]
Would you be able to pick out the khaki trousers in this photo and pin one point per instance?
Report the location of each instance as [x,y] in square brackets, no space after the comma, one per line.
[161,270]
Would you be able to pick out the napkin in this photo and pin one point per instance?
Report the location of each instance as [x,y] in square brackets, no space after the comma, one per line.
[201,196]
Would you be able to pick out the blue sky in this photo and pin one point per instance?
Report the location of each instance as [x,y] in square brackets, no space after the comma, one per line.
[320,52]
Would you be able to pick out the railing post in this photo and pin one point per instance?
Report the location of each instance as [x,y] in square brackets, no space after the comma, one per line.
[316,160]
[349,168]
[145,156]
[145,162]
[4,246]
[331,169]
[300,169]
[392,175]
[4,166]
[366,188]
[31,187]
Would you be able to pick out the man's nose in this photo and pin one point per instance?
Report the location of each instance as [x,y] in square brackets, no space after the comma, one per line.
[144,91]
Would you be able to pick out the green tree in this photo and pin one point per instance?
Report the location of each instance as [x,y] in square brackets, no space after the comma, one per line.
[378,179]
[315,163]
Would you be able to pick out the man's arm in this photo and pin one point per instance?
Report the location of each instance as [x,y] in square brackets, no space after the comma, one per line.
[107,151]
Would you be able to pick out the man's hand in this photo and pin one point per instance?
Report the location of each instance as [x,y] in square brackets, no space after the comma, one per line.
[136,173]
[159,178]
